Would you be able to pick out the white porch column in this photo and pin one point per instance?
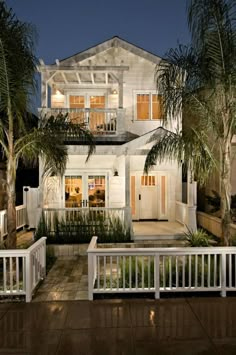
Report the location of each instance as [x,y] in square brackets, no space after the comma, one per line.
[121,91]
[127,180]
[44,90]
[192,204]
[120,125]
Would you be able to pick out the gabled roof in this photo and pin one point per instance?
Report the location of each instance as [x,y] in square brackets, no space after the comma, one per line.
[113,42]
[143,143]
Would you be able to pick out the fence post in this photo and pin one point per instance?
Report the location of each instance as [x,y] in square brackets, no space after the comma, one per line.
[28,278]
[223,274]
[157,276]
[2,224]
[90,275]
[43,251]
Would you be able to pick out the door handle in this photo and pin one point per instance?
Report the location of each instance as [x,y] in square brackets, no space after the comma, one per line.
[139,197]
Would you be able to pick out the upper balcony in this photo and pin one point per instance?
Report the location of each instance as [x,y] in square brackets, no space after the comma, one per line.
[106,121]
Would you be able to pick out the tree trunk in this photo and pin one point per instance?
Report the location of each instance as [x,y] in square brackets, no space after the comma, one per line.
[11,204]
[226,191]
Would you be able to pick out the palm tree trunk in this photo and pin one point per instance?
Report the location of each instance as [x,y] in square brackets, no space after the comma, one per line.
[11,205]
[11,180]
[226,191]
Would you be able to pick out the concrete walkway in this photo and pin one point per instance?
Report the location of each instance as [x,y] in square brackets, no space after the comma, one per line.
[115,327]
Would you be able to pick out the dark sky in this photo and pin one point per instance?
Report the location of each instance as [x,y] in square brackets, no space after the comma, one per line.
[66,27]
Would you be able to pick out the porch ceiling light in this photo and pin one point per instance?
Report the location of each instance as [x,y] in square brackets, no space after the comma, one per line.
[114,92]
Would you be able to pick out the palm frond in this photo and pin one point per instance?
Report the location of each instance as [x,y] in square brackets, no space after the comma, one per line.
[184,147]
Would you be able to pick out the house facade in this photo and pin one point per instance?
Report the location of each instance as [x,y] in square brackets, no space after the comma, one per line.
[110,90]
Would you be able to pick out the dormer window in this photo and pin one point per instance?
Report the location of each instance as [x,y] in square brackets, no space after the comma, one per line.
[148,106]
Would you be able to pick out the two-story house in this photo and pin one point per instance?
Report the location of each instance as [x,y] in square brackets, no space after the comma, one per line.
[110,89]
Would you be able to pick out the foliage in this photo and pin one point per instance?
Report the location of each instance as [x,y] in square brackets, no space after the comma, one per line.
[20,137]
[138,272]
[199,81]
[199,238]
[81,228]
[215,201]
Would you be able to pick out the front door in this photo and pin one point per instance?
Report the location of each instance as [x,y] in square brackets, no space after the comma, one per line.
[85,190]
[149,196]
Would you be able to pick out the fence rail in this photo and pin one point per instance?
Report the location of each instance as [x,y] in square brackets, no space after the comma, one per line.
[22,269]
[121,270]
[20,220]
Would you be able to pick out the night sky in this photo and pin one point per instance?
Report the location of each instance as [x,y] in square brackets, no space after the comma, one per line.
[66,27]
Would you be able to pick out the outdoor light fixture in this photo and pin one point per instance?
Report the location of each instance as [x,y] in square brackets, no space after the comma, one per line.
[114,92]
[116,172]
[58,93]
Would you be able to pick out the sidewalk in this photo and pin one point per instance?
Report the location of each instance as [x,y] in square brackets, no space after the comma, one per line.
[104,327]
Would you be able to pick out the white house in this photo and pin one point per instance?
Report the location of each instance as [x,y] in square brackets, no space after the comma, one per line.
[110,89]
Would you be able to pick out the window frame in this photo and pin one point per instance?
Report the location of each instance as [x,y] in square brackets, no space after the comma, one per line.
[150,93]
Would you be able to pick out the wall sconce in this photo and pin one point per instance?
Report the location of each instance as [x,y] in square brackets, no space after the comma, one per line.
[114,92]
[116,172]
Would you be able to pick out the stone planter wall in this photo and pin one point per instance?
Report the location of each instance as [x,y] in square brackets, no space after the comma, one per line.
[213,224]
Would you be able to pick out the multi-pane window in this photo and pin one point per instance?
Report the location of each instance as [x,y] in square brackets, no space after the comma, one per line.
[148,106]
[147,180]
[77,102]
[73,191]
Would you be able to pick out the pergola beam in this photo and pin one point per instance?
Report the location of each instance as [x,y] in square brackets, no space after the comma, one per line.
[88,68]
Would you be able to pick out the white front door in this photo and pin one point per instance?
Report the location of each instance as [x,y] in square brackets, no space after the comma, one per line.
[149,196]
[85,190]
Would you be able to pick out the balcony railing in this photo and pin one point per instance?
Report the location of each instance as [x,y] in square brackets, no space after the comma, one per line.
[108,121]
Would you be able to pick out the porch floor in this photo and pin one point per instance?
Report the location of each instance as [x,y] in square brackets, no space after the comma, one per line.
[155,230]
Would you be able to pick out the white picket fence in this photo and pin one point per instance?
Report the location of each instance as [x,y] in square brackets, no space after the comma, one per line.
[20,219]
[22,269]
[157,270]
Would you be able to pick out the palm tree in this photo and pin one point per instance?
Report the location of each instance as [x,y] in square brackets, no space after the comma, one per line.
[19,138]
[200,81]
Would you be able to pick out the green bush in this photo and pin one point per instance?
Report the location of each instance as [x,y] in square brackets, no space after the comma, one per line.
[80,227]
[199,238]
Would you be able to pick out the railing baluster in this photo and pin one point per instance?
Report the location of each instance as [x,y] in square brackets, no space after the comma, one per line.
[143,272]
[164,271]
[136,272]
[170,272]
[117,271]
[11,275]
[17,273]
[196,270]
[183,270]
[5,274]
[230,269]
[190,270]
[130,273]
[209,271]
[104,273]
[177,272]
[123,271]
[202,278]
[215,270]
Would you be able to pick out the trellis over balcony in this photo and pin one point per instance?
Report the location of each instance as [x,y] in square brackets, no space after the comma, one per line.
[108,121]
[59,82]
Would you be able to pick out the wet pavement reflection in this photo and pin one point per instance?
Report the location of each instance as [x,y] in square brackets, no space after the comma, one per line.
[166,326]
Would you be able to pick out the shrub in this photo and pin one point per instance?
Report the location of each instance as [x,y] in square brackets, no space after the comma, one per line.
[78,227]
[199,238]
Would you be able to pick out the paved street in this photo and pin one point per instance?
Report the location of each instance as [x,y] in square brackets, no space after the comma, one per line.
[166,326]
